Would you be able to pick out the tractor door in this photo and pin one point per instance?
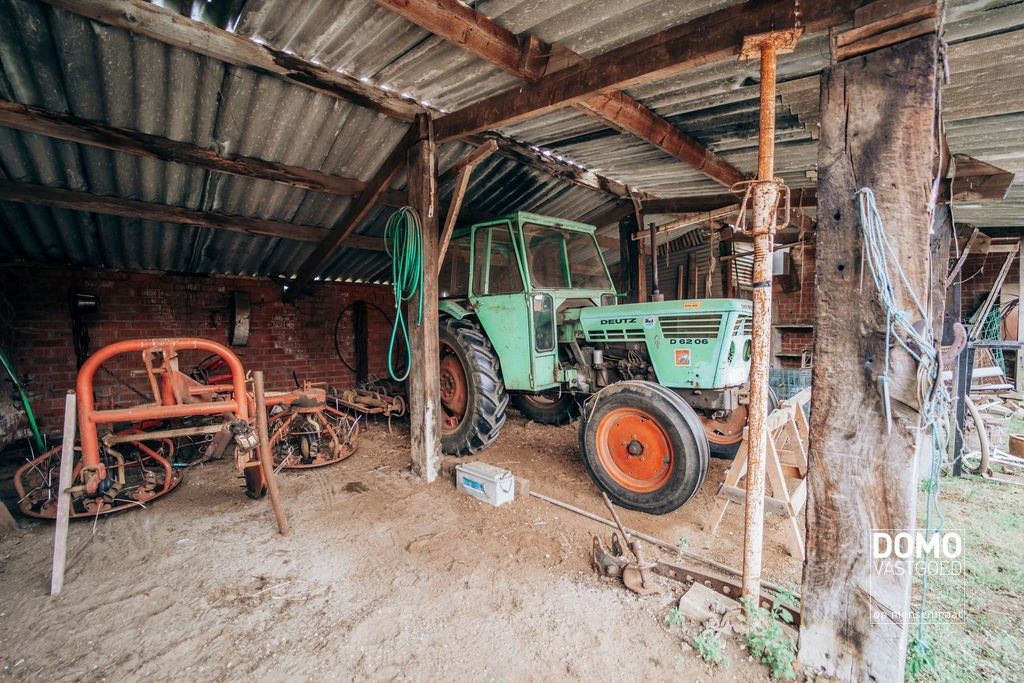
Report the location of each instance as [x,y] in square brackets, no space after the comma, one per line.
[502,304]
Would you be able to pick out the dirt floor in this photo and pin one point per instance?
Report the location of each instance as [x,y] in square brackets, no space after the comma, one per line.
[387,578]
[383,578]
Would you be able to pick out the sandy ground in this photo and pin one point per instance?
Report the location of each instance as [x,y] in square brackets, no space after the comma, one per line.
[383,577]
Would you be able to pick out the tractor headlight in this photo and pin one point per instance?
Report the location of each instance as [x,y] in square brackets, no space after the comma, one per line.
[543,322]
[608,299]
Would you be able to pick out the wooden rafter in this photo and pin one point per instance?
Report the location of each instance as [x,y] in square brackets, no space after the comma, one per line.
[463,170]
[151,20]
[530,58]
[58,198]
[710,38]
[96,134]
[357,212]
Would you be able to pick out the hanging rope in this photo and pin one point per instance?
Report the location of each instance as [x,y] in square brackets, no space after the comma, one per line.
[403,242]
[933,396]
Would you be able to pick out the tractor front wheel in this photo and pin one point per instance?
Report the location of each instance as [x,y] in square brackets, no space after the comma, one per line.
[550,408]
[473,397]
[644,446]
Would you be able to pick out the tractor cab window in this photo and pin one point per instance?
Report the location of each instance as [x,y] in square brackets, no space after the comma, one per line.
[564,259]
[453,282]
[495,266]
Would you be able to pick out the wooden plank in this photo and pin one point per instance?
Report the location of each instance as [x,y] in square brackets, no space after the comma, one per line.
[852,491]
[624,113]
[464,168]
[549,165]
[151,20]
[887,38]
[130,208]
[67,473]
[97,134]
[356,214]
[713,37]
[424,387]
[527,57]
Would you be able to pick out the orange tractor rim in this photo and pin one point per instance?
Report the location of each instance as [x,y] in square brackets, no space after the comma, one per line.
[454,389]
[726,432]
[634,450]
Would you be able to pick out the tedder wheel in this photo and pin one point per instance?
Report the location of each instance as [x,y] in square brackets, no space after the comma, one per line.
[549,408]
[725,436]
[473,398]
[644,446]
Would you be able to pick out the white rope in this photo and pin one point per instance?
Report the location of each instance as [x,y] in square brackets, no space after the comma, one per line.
[933,396]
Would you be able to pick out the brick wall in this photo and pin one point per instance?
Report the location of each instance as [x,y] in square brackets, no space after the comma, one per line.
[284,338]
[795,308]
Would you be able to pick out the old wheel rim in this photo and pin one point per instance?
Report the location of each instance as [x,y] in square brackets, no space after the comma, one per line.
[634,450]
[454,389]
[726,432]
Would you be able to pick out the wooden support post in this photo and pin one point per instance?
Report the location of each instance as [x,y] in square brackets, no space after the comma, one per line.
[67,473]
[424,390]
[266,457]
[1018,375]
[860,477]
[628,256]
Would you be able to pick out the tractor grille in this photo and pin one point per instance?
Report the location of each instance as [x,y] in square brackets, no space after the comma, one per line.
[744,326]
[691,326]
[631,334]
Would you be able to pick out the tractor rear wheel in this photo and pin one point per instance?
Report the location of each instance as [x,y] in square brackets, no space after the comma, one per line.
[473,397]
[643,445]
[725,436]
[548,408]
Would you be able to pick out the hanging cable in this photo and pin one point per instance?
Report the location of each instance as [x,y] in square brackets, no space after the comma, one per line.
[404,244]
[933,396]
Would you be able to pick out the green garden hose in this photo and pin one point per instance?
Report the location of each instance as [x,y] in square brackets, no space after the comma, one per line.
[403,242]
[37,437]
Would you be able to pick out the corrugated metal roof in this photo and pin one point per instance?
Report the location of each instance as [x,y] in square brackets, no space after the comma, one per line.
[59,61]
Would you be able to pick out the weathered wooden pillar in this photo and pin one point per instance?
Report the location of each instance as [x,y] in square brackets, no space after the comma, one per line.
[423,387]
[878,130]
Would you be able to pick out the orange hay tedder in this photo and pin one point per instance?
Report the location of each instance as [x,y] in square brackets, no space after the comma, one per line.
[127,456]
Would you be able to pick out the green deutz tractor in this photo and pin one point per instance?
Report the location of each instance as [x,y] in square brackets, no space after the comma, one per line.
[528,312]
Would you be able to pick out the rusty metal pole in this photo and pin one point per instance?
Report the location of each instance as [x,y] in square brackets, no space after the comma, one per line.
[266,459]
[764,201]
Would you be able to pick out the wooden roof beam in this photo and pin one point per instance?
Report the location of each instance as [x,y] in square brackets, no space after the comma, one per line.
[153,21]
[357,212]
[713,37]
[59,198]
[528,57]
[95,134]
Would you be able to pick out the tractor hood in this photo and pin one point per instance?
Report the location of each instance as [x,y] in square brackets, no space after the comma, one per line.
[693,344]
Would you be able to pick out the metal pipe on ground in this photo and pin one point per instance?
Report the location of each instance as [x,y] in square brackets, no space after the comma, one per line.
[651,539]
[266,459]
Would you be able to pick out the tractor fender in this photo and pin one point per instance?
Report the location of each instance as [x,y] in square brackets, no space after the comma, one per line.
[452,308]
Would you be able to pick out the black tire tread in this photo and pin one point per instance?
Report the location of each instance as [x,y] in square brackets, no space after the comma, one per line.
[566,410]
[486,415]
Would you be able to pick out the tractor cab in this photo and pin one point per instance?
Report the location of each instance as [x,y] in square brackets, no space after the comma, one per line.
[518,275]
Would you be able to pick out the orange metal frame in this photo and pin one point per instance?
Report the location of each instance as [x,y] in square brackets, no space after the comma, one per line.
[175,394]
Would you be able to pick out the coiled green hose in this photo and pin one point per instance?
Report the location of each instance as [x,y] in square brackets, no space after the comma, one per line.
[404,243]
